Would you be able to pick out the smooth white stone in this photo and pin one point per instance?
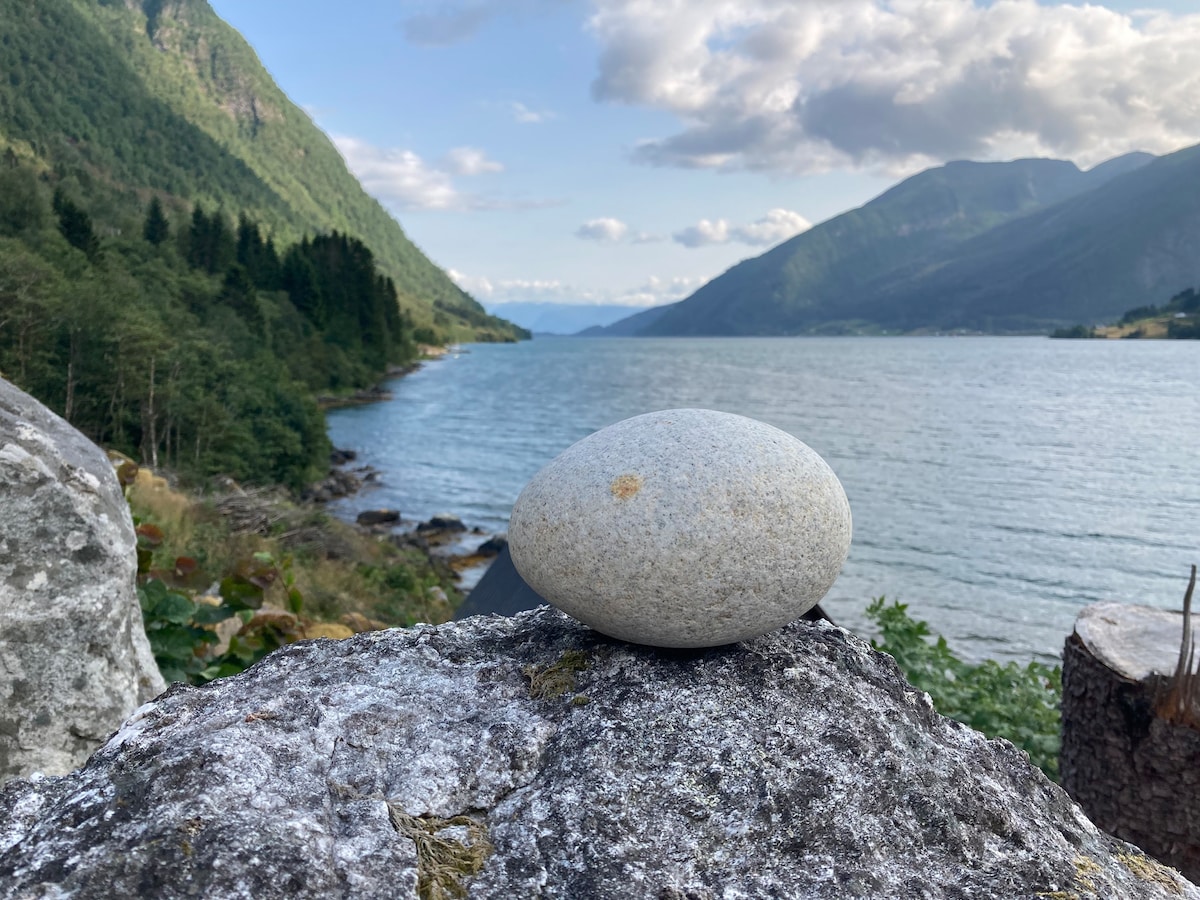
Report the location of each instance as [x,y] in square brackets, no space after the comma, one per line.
[683,528]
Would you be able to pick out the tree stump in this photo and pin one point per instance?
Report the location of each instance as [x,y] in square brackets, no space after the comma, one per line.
[1132,765]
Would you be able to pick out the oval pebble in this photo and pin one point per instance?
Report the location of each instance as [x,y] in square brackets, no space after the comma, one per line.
[683,528]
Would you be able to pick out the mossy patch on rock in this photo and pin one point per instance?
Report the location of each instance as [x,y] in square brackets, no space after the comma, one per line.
[556,679]
[443,861]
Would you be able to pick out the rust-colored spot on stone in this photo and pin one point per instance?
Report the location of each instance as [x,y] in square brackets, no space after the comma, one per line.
[626,486]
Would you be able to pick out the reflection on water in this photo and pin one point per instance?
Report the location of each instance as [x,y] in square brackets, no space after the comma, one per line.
[997,484]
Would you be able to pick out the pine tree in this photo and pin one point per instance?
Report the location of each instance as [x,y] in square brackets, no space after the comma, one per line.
[75,225]
[238,293]
[299,279]
[157,229]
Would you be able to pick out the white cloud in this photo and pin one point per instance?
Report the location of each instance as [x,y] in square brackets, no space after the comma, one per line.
[404,181]
[507,290]
[470,161]
[810,85]
[399,177]
[527,116]
[656,291]
[476,285]
[776,226]
[703,233]
[653,291]
[606,231]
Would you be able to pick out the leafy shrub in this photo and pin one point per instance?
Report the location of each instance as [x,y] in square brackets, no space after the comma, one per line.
[180,622]
[1020,704]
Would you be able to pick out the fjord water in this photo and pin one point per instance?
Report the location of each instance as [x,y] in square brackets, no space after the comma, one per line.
[997,484]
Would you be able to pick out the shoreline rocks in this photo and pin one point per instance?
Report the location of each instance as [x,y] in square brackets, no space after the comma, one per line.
[341,481]
[532,757]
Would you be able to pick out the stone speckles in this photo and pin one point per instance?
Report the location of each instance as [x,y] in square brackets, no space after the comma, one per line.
[683,528]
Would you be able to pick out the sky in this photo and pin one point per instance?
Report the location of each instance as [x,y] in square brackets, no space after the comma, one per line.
[627,151]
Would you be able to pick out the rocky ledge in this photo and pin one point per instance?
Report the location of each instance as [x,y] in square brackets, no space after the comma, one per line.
[531,757]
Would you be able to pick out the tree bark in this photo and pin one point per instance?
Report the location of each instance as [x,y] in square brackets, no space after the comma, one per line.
[1135,774]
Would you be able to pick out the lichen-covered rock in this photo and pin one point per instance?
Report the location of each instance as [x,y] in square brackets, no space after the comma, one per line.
[531,757]
[683,528]
[74,660]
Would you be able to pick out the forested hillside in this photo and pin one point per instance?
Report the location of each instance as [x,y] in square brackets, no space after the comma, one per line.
[188,342]
[185,261]
[116,100]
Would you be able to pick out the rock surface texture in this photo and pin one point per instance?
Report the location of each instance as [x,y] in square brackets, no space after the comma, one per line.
[74,660]
[683,528]
[531,757]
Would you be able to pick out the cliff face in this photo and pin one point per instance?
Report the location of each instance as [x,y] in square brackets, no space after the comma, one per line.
[530,757]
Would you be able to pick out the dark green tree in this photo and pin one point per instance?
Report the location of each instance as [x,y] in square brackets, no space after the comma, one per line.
[299,279]
[239,294]
[75,225]
[22,201]
[210,242]
[156,229]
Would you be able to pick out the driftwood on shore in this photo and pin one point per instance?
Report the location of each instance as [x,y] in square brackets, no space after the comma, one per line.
[1131,742]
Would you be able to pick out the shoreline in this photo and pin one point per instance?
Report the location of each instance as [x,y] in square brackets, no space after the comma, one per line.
[343,480]
[378,393]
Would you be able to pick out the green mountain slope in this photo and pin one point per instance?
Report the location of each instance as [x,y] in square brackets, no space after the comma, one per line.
[123,98]
[857,271]
[1131,241]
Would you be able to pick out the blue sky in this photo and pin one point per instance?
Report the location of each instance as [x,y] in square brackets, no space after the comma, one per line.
[626,151]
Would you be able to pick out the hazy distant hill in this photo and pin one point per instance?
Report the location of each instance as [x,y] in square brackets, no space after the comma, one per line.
[119,99]
[632,326]
[562,318]
[984,246]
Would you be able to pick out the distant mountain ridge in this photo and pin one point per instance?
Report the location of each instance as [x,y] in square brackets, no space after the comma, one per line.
[1026,245]
[127,98]
[562,318]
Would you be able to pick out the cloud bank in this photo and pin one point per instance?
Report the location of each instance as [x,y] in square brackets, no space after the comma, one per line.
[654,291]
[404,181]
[776,226]
[805,86]
[607,231]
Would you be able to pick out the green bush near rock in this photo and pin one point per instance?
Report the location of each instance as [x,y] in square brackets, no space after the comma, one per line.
[1018,703]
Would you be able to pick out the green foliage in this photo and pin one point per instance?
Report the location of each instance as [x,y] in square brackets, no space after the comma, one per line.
[1184,329]
[187,358]
[1180,316]
[75,225]
[1138,313]
[1020,704]
[1075,332]
[156,228]
[180,623]
[270,589]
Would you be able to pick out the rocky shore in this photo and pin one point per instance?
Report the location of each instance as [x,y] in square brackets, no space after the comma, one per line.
[466,551]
